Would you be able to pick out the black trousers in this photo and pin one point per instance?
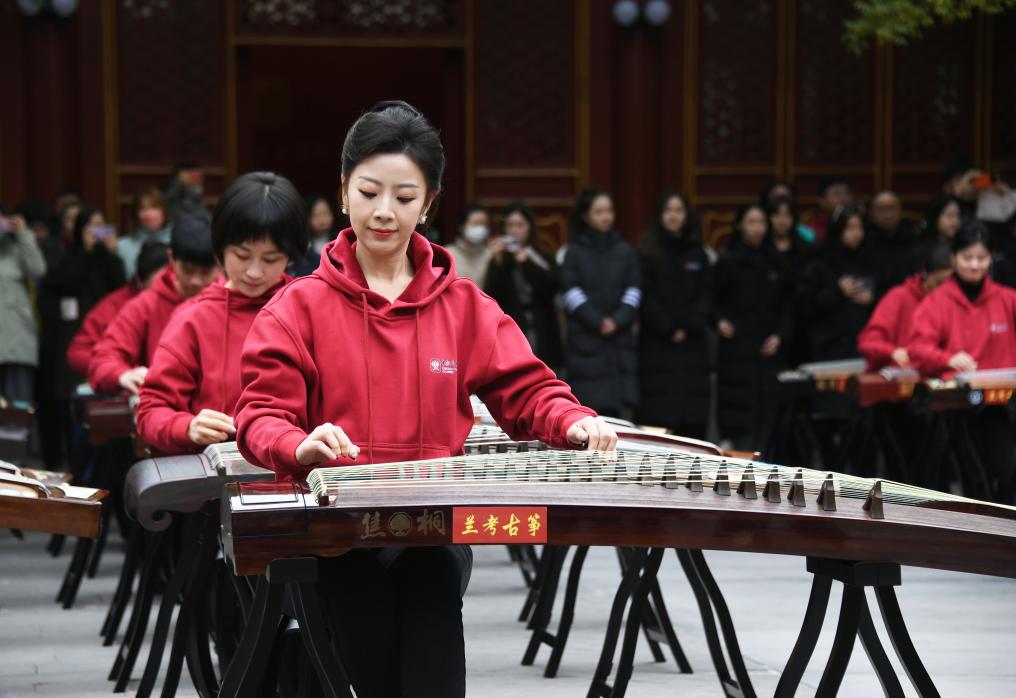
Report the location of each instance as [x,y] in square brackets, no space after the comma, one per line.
[396,619]
[994,436]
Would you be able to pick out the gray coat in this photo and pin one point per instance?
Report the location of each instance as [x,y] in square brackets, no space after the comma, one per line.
[21,262]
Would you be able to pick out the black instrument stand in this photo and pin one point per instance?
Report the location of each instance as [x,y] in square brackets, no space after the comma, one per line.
[855,620]
[245,676]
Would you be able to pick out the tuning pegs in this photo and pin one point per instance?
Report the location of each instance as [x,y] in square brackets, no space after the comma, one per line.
[670,474]
[722,483]
[873,503]
[796,494]
[827,494]
[645,475]
[694,477]
[746,488]
[772,488]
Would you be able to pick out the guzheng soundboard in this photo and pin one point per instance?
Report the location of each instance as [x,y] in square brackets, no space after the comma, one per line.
[39,500]
[886,385]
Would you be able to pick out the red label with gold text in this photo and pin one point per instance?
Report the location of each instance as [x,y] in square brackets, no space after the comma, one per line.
[479,525]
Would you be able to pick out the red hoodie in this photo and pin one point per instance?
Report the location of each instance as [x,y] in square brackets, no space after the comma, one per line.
[131,338]
[79,353]
[889,326]
[947,322]
[196,366]
[395,376]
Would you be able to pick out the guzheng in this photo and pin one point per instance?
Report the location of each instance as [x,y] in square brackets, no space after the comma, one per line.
[183,484]
[887,385]
[645,499]
[822,377]
[968,390]
[38,500]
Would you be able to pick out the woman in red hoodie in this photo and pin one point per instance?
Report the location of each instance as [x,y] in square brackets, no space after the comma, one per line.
[193,383]
[969,324]
[373,357]
[883,341]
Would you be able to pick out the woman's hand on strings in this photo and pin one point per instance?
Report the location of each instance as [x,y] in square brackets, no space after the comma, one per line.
[210,427]
[326,442]
[594,433]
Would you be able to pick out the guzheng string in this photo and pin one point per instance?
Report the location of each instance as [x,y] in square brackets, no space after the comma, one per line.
[599,467]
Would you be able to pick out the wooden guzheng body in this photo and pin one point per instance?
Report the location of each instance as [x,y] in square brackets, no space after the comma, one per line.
[886,385]
[822,377]
[38,500]
[968,390]
[183,484]
[624,499]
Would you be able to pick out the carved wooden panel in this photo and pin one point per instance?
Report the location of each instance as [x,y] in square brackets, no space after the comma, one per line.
[351,18]
[525,86]
[933,99]
[833,117]
[737,81]
[170,88]
[1002,137]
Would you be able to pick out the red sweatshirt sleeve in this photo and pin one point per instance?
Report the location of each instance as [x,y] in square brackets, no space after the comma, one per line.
[164,412]
[79,352]
[876,341]
[927,335]
[121,348]
[523,395]
[271,421]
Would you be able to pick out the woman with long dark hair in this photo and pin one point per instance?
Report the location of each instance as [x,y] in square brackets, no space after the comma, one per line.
[522,278]
[941,219]
[754,320]
[601,286]
[676,307]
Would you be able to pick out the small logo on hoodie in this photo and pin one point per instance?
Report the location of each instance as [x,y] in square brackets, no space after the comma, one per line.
[448,366]
[999,328]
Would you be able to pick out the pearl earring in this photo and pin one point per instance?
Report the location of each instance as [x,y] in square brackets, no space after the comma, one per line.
[344,211]
[423,218]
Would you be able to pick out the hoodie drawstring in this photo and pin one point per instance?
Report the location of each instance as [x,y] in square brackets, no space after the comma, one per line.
[419,389]
[225,354]
[370,394]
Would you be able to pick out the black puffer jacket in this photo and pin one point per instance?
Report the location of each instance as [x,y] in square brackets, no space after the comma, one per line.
[833,320]
[525,291]
[674,378]
[600,278]
[752,291]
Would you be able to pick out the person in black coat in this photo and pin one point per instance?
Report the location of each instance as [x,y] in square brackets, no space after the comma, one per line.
[601,281]
[88,270]
[676,309]
[894,240]
[754,319]
[794,253]
[836,290]
[522,278]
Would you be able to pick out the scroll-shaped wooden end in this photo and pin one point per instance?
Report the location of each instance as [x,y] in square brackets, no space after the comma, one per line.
[722,484]
[772,488]
[873,503]
[746,488]
[796,494]
[695,477]
[827,494]
[670,474]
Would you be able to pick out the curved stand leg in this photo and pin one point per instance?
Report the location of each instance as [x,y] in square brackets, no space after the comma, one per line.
[547,591]
[599,685]
[876,654]
[567,611]
[625,665]
[243,676]
[806,640]
[843,641]
[122,595]
[904,646]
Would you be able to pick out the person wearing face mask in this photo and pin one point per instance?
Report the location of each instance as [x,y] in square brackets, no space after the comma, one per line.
[470,250]
[122,355]
[320,228]
[969,324]
[601,289]
[753,315]
[150,224]
[522,278]
[676,307]
[190,391]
